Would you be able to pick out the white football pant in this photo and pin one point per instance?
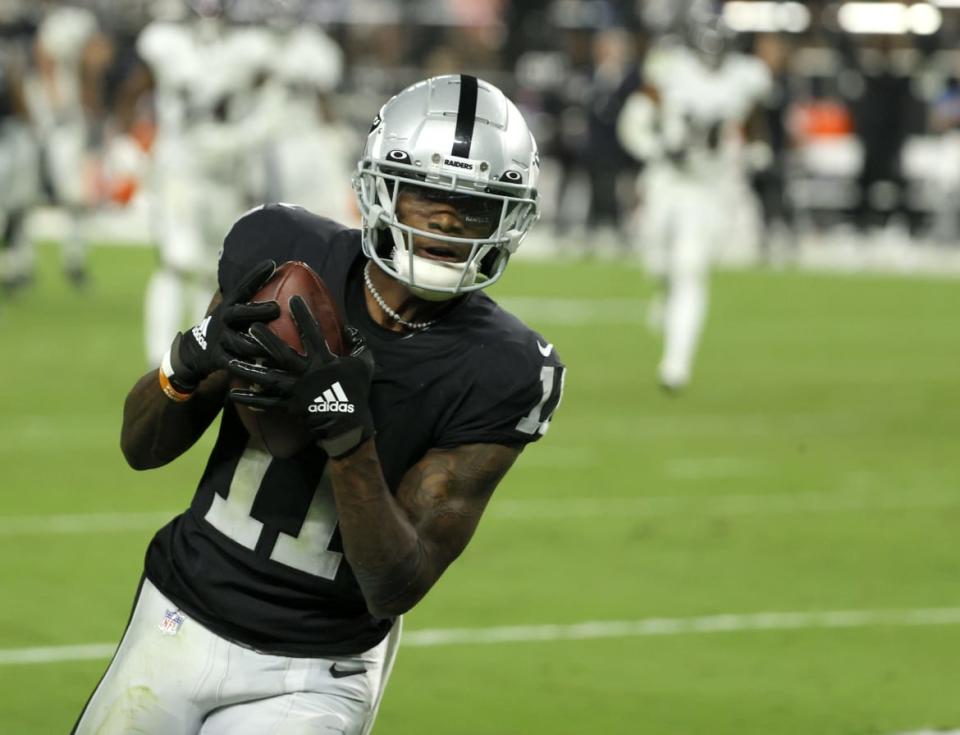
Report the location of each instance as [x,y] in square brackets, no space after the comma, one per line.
[19,172]
[681,226]
[173,299]
[192,215]
[172,676]
[69,167]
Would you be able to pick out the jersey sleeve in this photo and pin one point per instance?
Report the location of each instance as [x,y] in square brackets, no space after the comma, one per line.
[247,243]
[278,232]
[511,401]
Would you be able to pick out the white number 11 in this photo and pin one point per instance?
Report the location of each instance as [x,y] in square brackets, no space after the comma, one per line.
[307,551]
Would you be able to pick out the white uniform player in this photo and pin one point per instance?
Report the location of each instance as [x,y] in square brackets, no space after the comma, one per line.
[54,96]
[687,125]
[204,74]
[309,158]
[19,166]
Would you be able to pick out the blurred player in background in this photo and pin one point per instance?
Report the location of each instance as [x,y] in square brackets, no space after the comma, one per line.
[309,155]
[881,118]
[60,97]
[768,154]
[945,122]
[203,74]
[273,604]
[19,153]
[687,126]
[614,77]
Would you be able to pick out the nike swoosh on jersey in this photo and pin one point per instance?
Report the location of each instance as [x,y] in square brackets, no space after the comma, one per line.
[341,673]
[545,350]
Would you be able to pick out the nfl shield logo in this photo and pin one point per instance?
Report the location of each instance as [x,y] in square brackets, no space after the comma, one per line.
[172,620]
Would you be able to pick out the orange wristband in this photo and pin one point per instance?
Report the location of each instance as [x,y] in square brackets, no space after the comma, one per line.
[169,391]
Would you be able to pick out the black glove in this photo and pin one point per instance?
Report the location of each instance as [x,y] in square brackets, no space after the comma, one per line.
[220,337]
[329,393]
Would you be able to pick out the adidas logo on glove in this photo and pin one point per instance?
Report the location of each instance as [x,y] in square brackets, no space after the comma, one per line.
[333,400]
[200,333]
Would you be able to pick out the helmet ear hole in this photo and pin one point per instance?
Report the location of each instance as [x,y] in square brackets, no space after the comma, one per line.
[399,156]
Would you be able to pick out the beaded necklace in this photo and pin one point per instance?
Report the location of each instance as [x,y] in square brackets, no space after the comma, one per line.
[387,310]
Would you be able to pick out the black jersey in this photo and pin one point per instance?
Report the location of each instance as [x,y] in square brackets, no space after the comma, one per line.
[257,557]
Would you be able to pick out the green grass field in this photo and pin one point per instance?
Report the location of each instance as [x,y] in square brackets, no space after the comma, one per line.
[812,468]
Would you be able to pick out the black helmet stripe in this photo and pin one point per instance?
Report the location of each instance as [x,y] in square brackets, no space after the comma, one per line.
[466,116]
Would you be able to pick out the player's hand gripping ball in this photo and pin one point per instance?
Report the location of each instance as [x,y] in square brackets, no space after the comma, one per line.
[274,429]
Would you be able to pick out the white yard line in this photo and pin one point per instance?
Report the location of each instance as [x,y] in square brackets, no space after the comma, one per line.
[684,626]
[576,312]
[82,523]
[717,505]
[590,630]
[532,509]
[56,654]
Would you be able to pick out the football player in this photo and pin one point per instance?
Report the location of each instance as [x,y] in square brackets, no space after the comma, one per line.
[200,70]
[59,94]
[688,126]
[19,155]
[274,602]
[309,155]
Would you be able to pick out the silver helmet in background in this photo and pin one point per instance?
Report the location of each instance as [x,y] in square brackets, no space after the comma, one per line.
[460,139]
[707,33]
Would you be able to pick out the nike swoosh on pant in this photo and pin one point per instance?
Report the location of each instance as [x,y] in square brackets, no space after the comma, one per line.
[341,673]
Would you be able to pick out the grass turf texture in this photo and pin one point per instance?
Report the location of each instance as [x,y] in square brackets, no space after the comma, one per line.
[812,466]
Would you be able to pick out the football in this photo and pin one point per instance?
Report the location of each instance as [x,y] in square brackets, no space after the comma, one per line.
[275,431]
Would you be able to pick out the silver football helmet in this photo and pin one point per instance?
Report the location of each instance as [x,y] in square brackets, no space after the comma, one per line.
[708,34]
[459,139]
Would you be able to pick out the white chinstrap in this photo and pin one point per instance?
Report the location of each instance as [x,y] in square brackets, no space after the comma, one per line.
[387,310]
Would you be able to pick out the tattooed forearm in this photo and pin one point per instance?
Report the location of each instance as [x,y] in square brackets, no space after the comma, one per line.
[378,539]
[451,485]
[398,546]
[155,430]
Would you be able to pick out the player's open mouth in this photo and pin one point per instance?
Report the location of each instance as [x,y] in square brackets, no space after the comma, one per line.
[440,252]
